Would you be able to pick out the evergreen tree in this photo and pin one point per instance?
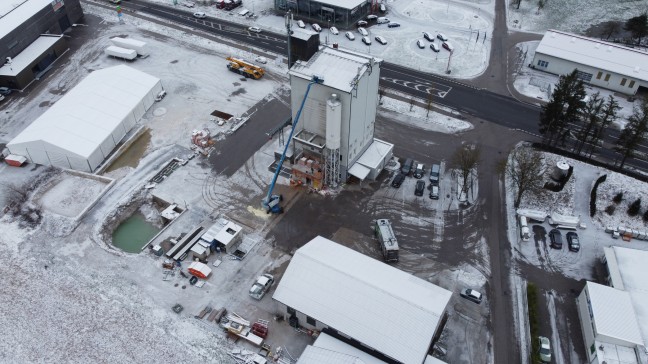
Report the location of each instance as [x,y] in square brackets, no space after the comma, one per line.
[565,106]
[609,113]
[590,118]
[638,26]
[634,133]
[634,208]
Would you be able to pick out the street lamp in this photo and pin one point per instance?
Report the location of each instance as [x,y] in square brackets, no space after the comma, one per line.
[288,22]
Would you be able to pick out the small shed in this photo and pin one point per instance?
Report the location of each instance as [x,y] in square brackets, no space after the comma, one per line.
[199,270]
[229,237]
[15,160]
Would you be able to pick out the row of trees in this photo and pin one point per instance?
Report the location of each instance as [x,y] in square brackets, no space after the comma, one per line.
[575,121]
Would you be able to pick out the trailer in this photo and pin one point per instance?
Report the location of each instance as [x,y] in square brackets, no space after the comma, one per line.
[123,53]
[129,43]
[563,221]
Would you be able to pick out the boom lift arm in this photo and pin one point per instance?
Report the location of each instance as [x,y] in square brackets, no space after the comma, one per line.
[272,202]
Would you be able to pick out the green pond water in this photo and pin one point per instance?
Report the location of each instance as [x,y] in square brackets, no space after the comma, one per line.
[133,233]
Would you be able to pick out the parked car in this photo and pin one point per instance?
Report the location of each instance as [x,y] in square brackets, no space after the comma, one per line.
[382,20]
[366,40]
[381,40]
[193,280]
[406,167]
[334,30]
[255,29]
[434,47]
[572,241]
[188,4]
[393,25]
[428,36]
[398,180]
[301,24]
[448,46]
[420,43]
[372,17]
[556,239]
[160,95]
[5,90]
[2,97]
[363,31]
[545,349]
[316,27]
[434,192]
[420,188]
[362,23]
[435,170]
[419,171]
[442,37]
[472,295]
[349,35]
[261,286]
[383,8]
[199,15]
[261,60]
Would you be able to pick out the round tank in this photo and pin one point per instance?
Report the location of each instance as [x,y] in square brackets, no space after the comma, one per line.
[560,170]
[333,122]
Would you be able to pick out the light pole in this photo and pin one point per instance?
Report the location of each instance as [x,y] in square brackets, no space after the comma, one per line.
[288,22]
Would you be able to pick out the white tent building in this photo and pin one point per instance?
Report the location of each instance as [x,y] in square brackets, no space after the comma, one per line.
[81,129]
[384,311]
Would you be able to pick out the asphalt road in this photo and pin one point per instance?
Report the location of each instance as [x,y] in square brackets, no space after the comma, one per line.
[486,105]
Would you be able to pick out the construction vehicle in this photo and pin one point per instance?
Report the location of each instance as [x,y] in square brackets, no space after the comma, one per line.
[245,68]
[272,202]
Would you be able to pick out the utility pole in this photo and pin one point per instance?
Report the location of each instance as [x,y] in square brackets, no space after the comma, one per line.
[448,66]
[288,20]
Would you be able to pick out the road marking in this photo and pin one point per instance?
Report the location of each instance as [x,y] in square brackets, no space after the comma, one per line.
[426,87]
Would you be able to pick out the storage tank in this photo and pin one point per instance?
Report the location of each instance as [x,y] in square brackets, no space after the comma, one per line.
[560,170]
[333,122]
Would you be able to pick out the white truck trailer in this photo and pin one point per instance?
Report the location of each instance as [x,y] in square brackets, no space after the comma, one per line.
[128,43]
[119,52]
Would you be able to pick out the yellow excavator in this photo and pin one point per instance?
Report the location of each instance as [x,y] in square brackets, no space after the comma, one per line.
[245,68]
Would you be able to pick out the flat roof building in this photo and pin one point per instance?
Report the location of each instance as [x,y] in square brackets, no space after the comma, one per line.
[392,315]
[602,64]
[339,13]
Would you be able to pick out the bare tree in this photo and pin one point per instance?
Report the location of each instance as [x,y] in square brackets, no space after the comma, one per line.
[465,160]
[524,167]
[429,102]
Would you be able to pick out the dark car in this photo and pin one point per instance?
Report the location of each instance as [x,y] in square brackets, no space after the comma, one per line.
[573,242]
[420,187]
[419,171]
[393,25]
[398,180]
[193,280]
[406,167]
[5,90]
[556,239]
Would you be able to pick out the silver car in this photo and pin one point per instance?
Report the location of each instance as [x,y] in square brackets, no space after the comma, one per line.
[261,286]
[545,349]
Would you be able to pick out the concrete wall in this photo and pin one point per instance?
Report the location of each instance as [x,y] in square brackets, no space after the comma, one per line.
[559,66]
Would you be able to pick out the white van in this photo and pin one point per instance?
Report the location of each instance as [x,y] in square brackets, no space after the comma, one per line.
[524,229]
[382,20]
[244,12]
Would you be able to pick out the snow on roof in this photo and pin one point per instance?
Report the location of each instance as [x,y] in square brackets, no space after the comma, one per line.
[375,153]
[315,355]
[12,16]
[633,267]
[359,171]
[228,233]
[338,67]
[368,300]
[595,53]
[27,56]
[303,34]
[91,111]
[331,344]
[345,4]
[432,360]
[613,313]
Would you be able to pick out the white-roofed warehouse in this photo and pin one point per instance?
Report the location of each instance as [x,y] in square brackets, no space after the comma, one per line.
[391,314]
[81,129]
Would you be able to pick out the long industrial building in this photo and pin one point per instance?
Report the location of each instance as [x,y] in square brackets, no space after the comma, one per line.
[82,128]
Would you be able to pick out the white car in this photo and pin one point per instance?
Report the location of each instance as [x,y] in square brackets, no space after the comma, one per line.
[349,35]
[334,30]
[381,40]
[188,4]
[442,37]
[301,24]
[420,43]
[199,15]
[316,27]
[255,29]
[434,47]
[363,31]
[260,59]
[261,286]
[366,40]
[545,349]
[472,295]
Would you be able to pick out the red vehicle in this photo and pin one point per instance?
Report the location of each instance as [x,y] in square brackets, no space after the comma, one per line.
[228,4]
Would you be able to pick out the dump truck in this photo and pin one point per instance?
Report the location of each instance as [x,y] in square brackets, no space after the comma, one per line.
[244,68]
